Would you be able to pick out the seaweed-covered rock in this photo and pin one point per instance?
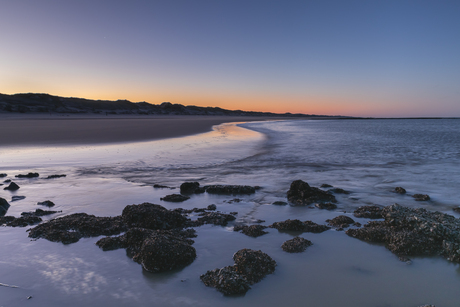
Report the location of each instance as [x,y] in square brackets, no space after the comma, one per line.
[55,176]
[22,221]
[250,267]
[327,206]
[47,203]
[296,245]
[230,189]
[12,187]
[341,221]
[400,190]
[152,216]
[4,205]
[297,225]
[370,212]
[176,198]
[71,228]
[421,197]
[300,193]
[411,232]
[155,250]
[252,231]
[29,175]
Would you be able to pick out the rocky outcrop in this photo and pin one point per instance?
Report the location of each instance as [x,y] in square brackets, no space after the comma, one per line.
[152,216]
[410,232]
[341,221]
[191,188]
[39,212]
[370,212]
[300,193]
[297,225]
[12,187]
[327,206]
[29,175]
[421,197]
[2,175]
[400,190]
[216,218]
[4,205]
[156,250]
[252,231]
[175,198]
[71,228]
[250,267]
[22,221]
[296,245]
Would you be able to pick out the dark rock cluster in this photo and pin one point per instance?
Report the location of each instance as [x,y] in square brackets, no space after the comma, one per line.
[400,190]
[250,267]
[46,203]
[370,212]
[296,245]
[327,206]
[252,231]
[216,218]
[300,193]
[339,191]
[55,176]
[195,188]
[341,221]
[22,221]
[408,232]
[421,197]
[297,225]
[29,175]
[4,205]
[152,216]
[176,198]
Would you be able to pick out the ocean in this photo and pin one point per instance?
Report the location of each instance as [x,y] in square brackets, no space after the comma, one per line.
[367,157]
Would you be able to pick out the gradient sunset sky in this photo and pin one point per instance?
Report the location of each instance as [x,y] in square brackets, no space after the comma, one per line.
[358,58]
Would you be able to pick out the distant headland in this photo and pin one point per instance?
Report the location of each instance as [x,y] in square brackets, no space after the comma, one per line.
[45,103]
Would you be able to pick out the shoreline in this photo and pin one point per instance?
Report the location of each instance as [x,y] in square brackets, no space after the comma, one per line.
[89,130]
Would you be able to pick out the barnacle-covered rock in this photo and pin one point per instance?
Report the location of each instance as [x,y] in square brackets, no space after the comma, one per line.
[296,245]
[370,212]
[300,193]
[341,221]
[421,197]
[297,225]
[252,230]
[152,216]
[226,280]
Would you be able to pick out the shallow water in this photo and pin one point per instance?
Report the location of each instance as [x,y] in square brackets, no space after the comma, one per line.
[367,157]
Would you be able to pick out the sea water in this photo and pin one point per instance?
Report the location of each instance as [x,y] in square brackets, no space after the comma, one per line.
[369,158]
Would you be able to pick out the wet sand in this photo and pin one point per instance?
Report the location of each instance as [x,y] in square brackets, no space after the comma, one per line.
[45,130]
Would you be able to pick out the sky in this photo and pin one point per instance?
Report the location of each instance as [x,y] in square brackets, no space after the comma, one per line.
[331,57]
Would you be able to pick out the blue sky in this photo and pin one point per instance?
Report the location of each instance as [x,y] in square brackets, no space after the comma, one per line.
[362,58]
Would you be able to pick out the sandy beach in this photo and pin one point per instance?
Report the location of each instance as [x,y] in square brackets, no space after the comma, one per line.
[39,130]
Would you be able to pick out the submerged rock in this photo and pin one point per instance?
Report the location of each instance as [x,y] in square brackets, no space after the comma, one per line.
[39,212]
[55,176]
[325,185]
[216,218]
[400,190]
[155,250]
[152,216]
[296,245]
[12,187]
[17,197]
[327,206]
[421,197]
[4,205]
[176,198]
[370,212]
[341,221]
[230,189]
[412,232]
[19,221]
[300,193]
[297,225]
[29,175]
[339,191]
[250,267]
[211,207]
[71,228]
[3,175]
[47,203]
[280,203]
[252,231]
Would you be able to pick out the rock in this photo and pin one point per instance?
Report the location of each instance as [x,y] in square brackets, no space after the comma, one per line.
[29,175]
[412,232]
[4,205]
[230,189]
[252,231]
[159,186]
[280,203]
[211,207]
[327,206]
[341,221]
[69,229]
[215,218]
[189,187]
[325,185]
[297,225]
[300,193]
[296,245]
[12,187]
[250,267]
[152,216]
[176,198]
[16,198]
[457,209]
[339,191]
[39,212]
[7,181]
[55,176]
[47,203]
[421,197]
[155,250]
[400,190]
[370,212]
[20,221]
[3,175]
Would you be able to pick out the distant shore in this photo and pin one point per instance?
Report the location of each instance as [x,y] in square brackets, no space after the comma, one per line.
[46,130]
